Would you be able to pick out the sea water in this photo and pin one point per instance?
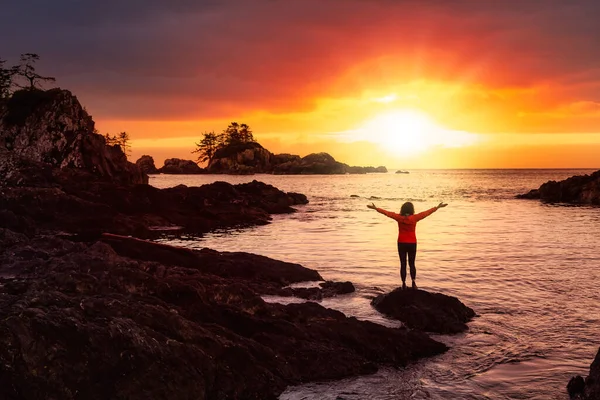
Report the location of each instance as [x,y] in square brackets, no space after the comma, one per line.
[530,271]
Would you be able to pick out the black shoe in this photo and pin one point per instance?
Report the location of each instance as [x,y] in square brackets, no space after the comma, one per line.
[414,285]
[403,285]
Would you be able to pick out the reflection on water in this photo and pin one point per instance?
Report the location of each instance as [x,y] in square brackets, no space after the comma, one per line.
[528,269]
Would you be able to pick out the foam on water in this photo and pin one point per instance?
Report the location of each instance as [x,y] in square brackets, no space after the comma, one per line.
[528,269]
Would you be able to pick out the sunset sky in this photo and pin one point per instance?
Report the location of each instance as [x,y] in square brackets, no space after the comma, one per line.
[401,83]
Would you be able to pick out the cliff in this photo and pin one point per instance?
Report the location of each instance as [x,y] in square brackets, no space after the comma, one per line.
[581,189]
[52,127]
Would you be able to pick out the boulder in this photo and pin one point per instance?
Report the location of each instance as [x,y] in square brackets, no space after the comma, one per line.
[179,166]
[146,164]
[580,189]
[430,312]
[52,127]
[588,388]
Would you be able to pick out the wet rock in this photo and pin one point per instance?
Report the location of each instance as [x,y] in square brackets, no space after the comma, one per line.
[76,201]
[588,389]
[576,386]
[179,166]
[124,318]
[581,189]
[331,288]
[146,164]
[430,312]
[52,127]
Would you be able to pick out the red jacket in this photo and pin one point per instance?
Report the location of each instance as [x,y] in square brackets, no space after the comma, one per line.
[407,224]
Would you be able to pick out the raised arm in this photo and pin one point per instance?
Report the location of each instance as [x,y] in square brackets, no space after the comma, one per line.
[390,214]
[427,213]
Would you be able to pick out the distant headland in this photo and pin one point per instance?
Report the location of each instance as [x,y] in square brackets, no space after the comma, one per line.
[235,151]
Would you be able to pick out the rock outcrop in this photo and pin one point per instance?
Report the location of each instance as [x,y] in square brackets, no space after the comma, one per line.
[251,158]
[52,127]
[581,189]
[123,318]
[588,388]
[241,159]
[179,166]
[35,196]
[430,312]
[146,164]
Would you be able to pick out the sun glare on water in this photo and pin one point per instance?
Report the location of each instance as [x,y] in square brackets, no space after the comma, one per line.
[409,132]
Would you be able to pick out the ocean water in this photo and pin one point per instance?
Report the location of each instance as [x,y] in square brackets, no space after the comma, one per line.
[529,270]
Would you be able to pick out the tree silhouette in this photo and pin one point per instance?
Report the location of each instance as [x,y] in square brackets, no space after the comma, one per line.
[246,134]
[211,142]
[26,70]
[207,147]
[123,141]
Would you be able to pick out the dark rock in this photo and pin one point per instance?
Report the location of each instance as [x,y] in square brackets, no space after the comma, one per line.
[123,318]
[402,172]
[588,389]
[146,164]
[430,312]
[52,127]
[35,195]
[179,166]
[366,170]
[242,159]
[581,189]
[576,386]
[331,288]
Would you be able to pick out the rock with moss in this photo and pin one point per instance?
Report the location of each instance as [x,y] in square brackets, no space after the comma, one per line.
[53,128]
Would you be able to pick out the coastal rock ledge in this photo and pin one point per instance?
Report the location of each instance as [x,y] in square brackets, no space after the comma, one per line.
[580,189]
[123,318]
[430,312]
[588,388]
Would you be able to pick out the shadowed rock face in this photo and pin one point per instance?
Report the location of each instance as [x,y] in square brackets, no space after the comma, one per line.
[36,197]
[51,127]
[179,166]
[588,388]
[430,312]
[577,189]
[123,318]
[146,164]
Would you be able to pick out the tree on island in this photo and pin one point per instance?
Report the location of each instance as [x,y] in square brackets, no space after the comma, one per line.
[211,142]
[207,146]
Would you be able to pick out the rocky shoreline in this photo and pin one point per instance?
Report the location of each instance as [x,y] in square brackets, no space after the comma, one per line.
[87,312]
[581,189]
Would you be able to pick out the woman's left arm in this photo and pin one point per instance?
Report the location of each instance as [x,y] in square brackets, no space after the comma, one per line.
[427,213]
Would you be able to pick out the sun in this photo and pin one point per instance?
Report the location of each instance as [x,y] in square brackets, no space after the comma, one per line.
[410,132]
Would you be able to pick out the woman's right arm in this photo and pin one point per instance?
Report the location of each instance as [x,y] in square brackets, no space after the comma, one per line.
[390,214]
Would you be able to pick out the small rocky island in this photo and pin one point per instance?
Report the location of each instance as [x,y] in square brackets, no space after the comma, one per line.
[251,158]
[90,309]
[581,189]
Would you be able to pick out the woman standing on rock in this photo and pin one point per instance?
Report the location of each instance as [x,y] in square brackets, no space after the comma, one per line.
[407,239]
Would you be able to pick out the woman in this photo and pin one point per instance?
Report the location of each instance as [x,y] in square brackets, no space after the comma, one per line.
[407,240]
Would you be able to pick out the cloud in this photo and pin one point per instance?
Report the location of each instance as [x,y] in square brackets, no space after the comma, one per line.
[164,60]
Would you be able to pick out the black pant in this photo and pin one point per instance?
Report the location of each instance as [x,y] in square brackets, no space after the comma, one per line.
[410,250]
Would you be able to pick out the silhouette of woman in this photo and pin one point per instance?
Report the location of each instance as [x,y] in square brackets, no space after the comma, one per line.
[407,239]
